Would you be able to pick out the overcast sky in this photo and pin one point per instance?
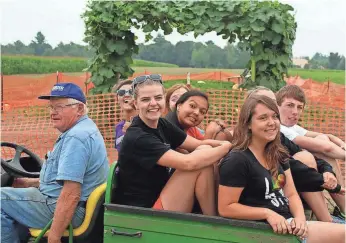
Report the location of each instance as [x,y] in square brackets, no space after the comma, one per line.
[321,24]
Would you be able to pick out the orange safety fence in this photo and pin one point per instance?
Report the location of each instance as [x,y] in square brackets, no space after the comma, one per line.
[326,92]
[30,126]
[22,91]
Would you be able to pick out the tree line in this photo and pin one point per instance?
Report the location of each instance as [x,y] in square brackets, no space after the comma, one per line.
[39,47]
[194,54]
[320,61]
[183,54]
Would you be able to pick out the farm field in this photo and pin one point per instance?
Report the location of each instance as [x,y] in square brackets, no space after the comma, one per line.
[36,66]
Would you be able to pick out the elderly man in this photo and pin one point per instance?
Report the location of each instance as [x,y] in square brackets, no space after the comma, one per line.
[74,168]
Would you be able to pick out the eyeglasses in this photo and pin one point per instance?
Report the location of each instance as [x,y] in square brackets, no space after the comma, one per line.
[143,78]
[59,108]
[122,92]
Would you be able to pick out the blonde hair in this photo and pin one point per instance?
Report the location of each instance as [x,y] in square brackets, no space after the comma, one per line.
[171,90]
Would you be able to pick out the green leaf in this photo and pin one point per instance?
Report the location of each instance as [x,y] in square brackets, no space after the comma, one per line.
[167,29]
[262,66]
[106,72]
[148,28]
[276,40]
[231,27]
[277,27]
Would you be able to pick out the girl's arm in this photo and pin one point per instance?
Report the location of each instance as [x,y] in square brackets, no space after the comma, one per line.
[298,223]
[229,206]
[295,204]
[191,143]
[195,160]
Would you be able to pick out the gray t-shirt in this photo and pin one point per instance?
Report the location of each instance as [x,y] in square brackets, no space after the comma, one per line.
[79,155]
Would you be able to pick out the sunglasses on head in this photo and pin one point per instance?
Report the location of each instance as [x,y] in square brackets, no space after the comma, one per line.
[122,92]
[143,78]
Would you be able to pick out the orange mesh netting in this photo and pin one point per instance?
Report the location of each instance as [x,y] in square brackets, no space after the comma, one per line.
[30,126]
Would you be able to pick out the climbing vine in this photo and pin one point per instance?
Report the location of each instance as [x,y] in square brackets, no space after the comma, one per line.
[265,28]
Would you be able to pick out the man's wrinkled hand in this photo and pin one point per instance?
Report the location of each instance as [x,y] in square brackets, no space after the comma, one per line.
[53,238]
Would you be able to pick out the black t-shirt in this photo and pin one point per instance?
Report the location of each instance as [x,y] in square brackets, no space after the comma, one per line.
[242,169]
[172,117]
[140,179]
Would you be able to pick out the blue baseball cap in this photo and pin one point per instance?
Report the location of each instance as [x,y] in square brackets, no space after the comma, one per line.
[65,90]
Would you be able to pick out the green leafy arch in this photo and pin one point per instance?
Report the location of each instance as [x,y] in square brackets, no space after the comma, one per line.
[265,28]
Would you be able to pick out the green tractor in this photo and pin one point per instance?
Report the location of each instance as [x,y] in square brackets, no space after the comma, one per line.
[110,223]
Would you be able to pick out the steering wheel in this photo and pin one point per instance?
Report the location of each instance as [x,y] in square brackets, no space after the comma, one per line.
[14,168]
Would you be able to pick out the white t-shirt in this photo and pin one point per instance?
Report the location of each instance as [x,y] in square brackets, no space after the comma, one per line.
[292,132]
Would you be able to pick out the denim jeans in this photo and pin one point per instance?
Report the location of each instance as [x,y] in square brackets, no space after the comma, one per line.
[23,208]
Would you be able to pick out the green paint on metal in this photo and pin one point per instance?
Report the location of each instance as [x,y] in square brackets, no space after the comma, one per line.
[110,182]
[39,237]
[165,229]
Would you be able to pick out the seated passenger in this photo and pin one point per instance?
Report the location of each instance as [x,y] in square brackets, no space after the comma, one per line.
[190,111]
[123,96]
[291,101]
[76,166]
[311,175]
[147,155]
[256,181]
[173,94]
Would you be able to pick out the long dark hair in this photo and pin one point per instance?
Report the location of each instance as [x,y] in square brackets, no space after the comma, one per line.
[274,151]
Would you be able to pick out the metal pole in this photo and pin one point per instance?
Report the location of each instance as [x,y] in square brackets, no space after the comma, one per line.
[57,76]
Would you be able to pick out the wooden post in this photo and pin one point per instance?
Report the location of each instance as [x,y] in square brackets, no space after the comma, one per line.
[86,83]
[2,92]
[57,76]
[253,69]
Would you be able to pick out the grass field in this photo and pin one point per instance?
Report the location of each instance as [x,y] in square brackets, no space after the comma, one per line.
[335,76]
[209,84]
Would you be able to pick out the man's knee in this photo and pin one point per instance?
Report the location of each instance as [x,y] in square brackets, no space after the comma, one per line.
[6,193]
[307,158]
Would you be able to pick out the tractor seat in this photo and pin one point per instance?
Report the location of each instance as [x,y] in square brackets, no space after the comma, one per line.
[93,218]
